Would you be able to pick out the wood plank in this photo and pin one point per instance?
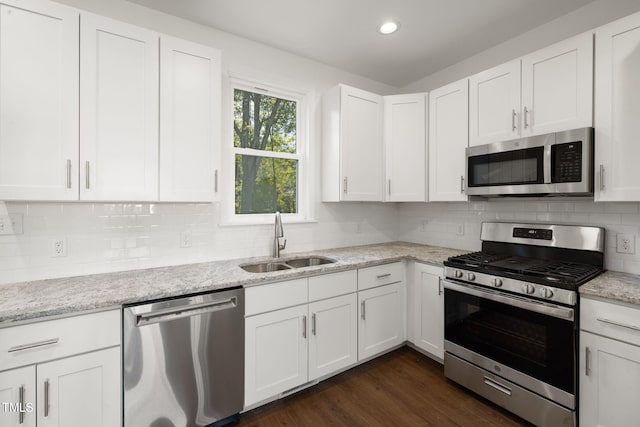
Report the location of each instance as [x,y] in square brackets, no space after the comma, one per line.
[403,388]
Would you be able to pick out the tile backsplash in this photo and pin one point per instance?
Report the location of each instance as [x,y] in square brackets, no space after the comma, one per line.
[105,237]
[457,225]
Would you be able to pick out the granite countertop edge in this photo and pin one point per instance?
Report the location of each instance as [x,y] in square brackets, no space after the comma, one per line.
[69,296]
[614,286]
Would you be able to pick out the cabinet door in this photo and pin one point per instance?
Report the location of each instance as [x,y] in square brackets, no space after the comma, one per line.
[557,87]
[405,147]
[38,101]
[494,104]
[275,353]
[119,110]
[361,145]
[428,310]
[617,104]
[448,139]
[609,382]
[74,390]
[333,342]
[18,397]
[189,121]
[381,319]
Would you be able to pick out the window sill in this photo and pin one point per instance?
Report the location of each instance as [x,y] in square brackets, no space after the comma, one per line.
[262,221]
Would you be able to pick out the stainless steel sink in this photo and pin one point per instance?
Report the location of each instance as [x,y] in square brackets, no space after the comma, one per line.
[286,264]
[309,261]
[265,267]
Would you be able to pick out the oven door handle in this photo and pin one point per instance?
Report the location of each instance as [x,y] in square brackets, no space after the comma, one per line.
[516,301]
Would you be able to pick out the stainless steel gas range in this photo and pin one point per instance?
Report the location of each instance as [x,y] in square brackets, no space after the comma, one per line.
[511,313]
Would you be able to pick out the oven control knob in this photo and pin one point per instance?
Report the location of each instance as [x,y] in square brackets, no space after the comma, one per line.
[458,274]
[471,277]
[528,288]
[496,282]
[546,292]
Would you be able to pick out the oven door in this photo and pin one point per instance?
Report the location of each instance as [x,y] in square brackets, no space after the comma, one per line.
[513,167]
[529,342]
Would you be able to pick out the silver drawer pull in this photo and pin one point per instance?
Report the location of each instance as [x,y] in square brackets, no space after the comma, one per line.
[622,325]
[587,361]
[21,416]
[492,383]
[362,310]
[382,276]
[33,345]
[46,398]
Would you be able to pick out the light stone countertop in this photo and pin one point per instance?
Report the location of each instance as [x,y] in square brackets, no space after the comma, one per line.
[28,301]
[615,286]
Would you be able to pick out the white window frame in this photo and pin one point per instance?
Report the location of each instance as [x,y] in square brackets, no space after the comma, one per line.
[304,196]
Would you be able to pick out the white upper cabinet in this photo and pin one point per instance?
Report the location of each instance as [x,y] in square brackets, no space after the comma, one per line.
[118,110]
[557,87]
[546,91]
[617,109]
[38,101]
[448,139]
[494,104]
[405,142]
[352,145]
[189,121]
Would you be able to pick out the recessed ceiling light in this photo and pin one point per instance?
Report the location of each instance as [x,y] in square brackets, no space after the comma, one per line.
[388,27]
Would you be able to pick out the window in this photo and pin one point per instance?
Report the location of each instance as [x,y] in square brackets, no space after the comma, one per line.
[269,141]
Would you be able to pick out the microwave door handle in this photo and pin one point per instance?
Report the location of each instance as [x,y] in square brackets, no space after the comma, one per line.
[546,164]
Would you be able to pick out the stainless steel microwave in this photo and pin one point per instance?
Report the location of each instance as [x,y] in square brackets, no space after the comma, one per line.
[554,164]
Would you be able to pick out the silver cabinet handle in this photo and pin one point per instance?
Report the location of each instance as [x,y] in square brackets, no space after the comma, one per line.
[621,325]
[21,416]
[345,185]
[389,190]
[493,383]
[215,181]
[362,310]
[526,113]
[439,286]
[304,326]
[382,276]
[68,173]
[33,345]
[587,361]
[513,120]
[46,398]
[461,184]
[87,170]
[313,324]
[601,177]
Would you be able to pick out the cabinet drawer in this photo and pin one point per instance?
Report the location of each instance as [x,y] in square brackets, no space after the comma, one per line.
[371,277]
[332,285]
[39,342]
[274,296]
[611,320]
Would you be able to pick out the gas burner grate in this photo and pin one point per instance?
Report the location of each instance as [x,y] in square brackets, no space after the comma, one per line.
[564,271]
[476,259]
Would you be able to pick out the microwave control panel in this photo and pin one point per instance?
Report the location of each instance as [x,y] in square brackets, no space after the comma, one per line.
[566,162]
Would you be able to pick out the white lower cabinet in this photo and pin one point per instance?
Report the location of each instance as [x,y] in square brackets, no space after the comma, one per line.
[62,373]
[381,319]
[275,353]
[609,364]
[428,309]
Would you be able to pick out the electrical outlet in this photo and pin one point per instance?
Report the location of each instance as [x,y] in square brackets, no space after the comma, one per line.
[626,243]
[11,224]
[59,247]
[460,230]
[185,239]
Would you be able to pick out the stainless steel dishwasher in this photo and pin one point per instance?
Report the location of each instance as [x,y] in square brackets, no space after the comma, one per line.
[184,360]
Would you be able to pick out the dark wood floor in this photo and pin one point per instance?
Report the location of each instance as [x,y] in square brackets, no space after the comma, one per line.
[402,388]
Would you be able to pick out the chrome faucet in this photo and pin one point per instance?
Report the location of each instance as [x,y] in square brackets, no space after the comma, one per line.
[279,234]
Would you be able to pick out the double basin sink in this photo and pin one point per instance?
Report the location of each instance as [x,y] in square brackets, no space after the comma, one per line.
[286,264]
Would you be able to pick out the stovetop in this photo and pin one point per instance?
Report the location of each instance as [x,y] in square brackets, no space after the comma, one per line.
[560,274]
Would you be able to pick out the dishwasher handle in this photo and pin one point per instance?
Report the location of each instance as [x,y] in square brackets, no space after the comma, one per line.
[175,313]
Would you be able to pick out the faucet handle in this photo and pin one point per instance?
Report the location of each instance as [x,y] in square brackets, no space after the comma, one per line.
[283,244]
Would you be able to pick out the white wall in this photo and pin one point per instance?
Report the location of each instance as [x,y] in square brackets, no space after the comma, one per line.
[584,19]
[114,237]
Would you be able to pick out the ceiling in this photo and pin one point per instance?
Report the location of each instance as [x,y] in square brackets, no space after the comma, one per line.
[343,33]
